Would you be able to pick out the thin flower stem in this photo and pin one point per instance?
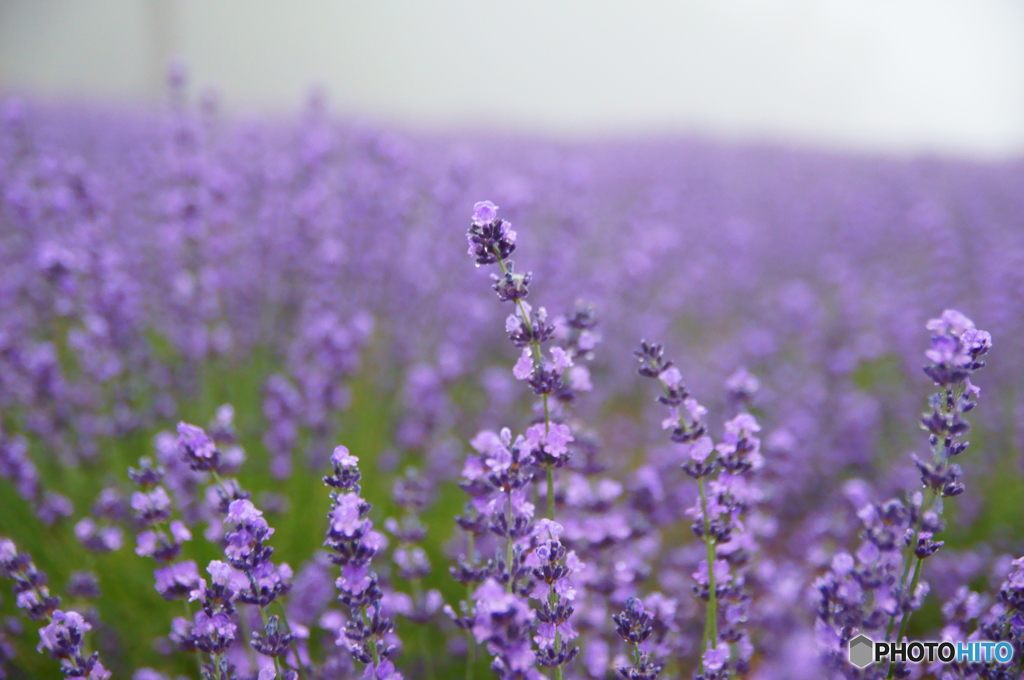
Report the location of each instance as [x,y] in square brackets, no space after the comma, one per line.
[428,659]
[295,640]
[939,456]
[374,652]
[263,617]
[218,480]
[909,560]
[470,659]
[508,548]
[538,357]
[711,620]
[905,621]
[552,601]
[551,493]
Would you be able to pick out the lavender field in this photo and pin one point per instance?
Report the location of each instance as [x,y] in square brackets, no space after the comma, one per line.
[684,409]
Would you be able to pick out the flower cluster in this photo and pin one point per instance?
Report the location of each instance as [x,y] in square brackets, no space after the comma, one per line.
[354,542]
[726,497]
[881,584]
[413,492]
[635,625]
[552,567]
[1004,621]
[161,537]
[63,637]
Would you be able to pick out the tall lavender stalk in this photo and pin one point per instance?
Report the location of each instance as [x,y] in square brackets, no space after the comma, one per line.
[1002,621]
[491,241]
[352,538]
[246,549]
[718,515]
[880,583]
[957,346]
[414,493]
[506,465]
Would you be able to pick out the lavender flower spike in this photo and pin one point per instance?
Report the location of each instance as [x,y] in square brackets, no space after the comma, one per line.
[634,625]
[354,542]
[957,347]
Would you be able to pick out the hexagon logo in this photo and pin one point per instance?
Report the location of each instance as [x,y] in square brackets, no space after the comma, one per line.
[862,651]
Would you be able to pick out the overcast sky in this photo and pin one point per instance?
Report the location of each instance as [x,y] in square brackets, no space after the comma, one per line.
[881,75]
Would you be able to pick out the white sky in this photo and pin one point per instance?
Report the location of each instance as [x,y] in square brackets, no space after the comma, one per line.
[880,75]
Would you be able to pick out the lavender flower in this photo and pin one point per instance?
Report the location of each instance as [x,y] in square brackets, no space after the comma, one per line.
[635,625]
[553,566]
[497,479]
[98,538]
[63,639]
[161,537]
[503,621]
[955,355]
[177,580]
[199,450]
[354,542]
[899,536]
[84,585]
[144,254]
[63,635]
[718,513]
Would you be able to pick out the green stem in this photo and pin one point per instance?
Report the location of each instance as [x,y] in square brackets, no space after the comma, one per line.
[551,493]
[263,617]
[711,615]
[373,639]
[534,345]
[538,359]
[939,457]
[428,659]
[295,640]
[905,621]
[552,601]
[471,652]
[910,557]
[219,481]
[508,547]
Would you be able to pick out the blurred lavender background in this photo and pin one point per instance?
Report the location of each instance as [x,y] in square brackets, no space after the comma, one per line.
[205,203]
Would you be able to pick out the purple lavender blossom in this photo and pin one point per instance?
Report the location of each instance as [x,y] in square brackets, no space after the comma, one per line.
[718,514]
[503,621]
[98,538]
[176,580]
[552,569]
[84,585]
[351,537]
[635,625]
[199,450]
[62,637]
[30,589]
